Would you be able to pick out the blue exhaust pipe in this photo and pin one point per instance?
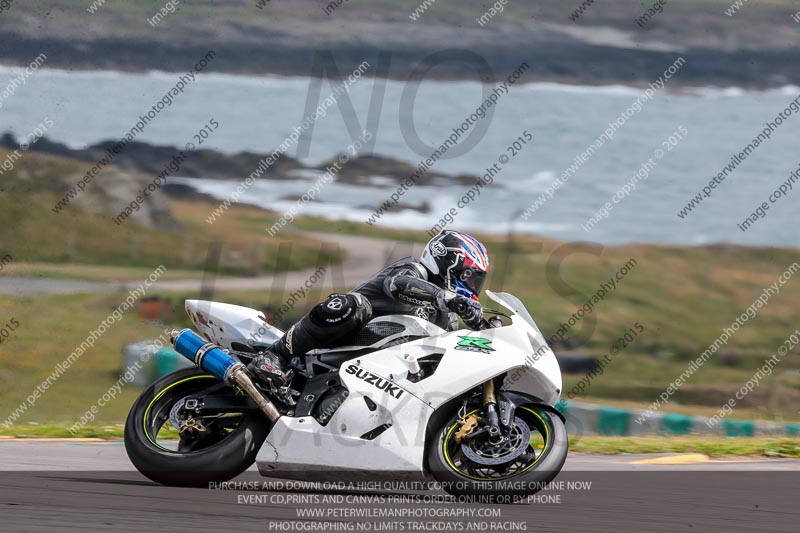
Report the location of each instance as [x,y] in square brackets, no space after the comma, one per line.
[204,354]
[222,366]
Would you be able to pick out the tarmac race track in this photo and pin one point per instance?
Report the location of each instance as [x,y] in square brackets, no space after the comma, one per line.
[91,486]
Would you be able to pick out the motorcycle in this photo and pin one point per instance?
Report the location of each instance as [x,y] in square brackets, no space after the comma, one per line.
[474,410]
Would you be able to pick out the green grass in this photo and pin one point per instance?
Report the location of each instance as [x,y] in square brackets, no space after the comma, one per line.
[711,446]
[52,327]
[99,273]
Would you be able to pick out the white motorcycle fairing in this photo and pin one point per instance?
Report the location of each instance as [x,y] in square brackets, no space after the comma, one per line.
[382,425]
[231,326]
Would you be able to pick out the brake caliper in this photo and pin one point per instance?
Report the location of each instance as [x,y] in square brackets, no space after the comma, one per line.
[191,428]
[468,425]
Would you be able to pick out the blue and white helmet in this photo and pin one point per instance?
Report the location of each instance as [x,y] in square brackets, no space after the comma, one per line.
[458,262]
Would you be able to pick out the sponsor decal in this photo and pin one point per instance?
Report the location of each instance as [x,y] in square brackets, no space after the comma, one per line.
[474,344]
[386,386]
[438,249]
[412,300]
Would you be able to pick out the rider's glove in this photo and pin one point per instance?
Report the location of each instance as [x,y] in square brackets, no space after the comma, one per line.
[469,310]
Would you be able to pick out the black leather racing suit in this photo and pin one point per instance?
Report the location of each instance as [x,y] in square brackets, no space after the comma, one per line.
[400,288]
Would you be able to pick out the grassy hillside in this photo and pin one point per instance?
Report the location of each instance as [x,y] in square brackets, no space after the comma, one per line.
[85,233]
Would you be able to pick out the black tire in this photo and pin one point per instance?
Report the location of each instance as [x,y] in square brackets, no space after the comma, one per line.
[530,477]
[219,459]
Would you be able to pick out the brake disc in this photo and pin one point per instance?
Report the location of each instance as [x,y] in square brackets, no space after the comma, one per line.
[173,413]
[483,452]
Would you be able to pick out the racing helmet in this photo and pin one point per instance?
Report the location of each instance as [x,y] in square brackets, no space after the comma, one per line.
[457,262]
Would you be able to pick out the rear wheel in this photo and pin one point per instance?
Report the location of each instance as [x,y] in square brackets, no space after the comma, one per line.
[171,448]
[531,453]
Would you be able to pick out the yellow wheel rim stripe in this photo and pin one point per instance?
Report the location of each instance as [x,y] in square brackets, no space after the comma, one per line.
[157,396]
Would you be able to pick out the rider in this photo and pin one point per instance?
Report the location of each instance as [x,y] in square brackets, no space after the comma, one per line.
[447,278]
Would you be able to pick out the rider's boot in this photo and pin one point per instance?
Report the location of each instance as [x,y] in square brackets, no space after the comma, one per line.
[271,364]
[269,368]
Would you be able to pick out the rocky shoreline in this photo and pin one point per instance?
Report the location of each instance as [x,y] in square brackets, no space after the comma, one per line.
[148,159]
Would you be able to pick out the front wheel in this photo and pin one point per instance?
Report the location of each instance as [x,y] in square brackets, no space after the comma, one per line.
[530,455]
[208,448]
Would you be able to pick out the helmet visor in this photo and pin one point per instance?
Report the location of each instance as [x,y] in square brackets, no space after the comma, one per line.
[473,279]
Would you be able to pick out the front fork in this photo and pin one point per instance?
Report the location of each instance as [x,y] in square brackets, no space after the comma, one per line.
[494,417]
[490,408]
